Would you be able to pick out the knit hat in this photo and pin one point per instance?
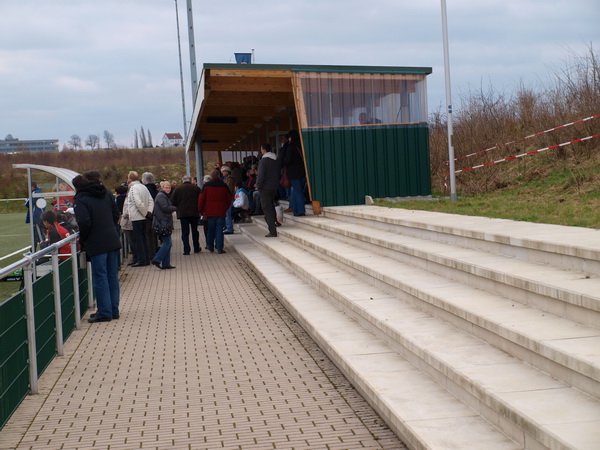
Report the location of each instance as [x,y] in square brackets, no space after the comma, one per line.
[226,169]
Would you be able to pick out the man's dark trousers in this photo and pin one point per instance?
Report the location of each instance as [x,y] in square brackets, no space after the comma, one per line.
[141,244]
[188,223]
[267,200]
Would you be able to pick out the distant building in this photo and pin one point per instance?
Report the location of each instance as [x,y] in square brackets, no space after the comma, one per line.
[12,145]
[172,140]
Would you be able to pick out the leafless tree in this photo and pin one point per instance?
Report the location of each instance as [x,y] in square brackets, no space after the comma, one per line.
[109,139]
[92,141]
[75,142]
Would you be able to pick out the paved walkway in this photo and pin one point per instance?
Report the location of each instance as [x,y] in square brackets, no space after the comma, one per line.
[203,357]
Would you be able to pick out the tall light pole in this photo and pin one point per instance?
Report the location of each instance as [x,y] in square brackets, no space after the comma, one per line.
[194,72]
[448,103]
[198,140]
[187,155]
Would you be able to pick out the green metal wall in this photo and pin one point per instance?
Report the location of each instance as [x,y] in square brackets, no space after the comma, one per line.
[347,163]
[14,356]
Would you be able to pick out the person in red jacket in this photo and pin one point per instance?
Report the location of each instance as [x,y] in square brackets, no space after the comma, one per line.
[213,203]
[54,233]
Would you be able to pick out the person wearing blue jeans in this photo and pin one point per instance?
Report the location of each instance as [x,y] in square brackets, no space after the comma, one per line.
[163,255]
[229,221]
[214,235]
[297,203]
[97,216]
[105,278]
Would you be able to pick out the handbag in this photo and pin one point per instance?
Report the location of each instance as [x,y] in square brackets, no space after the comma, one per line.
[160,228]
[284,181]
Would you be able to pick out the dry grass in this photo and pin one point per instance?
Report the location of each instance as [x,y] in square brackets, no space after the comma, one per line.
[491,118]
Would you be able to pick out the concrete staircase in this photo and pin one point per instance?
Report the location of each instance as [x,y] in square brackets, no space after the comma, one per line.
[462,332]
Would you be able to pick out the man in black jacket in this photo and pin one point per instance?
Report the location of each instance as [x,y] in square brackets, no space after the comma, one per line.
[267,183]
[97,215]
[185,198]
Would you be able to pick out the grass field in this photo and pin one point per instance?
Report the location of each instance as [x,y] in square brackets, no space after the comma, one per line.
[14,235]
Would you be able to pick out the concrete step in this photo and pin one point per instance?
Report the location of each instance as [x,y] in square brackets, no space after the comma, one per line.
[559,346]
[418,409]
[571,294]
[568,248]
[474,371]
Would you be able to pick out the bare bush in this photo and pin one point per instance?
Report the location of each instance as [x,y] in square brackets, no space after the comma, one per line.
[488,119]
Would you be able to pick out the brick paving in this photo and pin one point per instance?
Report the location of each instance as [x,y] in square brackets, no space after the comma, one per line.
[203,357]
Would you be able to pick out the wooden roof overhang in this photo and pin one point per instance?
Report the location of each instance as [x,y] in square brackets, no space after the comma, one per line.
[237,100]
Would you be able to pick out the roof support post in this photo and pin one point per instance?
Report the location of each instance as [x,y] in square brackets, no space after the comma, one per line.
[199,158]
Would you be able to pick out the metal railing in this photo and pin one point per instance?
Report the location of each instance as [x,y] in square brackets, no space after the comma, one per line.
[32,270]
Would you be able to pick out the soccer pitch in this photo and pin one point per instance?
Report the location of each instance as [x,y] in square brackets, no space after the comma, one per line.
[14,235]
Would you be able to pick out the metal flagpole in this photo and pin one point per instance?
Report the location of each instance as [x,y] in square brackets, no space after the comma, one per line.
[448,103]
[187,154]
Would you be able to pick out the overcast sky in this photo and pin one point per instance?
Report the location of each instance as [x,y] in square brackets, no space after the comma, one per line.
[84,66]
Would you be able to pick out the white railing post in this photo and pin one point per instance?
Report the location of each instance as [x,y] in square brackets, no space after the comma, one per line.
[90,286]
[29,314]
[57,306]
[76,298]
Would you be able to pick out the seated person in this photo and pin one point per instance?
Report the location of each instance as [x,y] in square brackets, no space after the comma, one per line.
[241,204]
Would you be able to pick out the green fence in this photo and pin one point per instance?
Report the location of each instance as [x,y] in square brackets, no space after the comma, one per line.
[14,358]
[15,376]
[67,298]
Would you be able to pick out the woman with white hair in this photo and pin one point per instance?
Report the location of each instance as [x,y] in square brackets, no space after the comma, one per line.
[162,223]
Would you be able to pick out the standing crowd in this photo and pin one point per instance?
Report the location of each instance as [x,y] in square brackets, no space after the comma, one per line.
[143,210]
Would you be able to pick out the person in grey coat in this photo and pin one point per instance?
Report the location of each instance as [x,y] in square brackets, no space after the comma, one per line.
[267,183]
[162,223]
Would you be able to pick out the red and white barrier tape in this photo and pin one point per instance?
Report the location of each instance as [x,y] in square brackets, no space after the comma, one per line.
[528,153]
[527,137]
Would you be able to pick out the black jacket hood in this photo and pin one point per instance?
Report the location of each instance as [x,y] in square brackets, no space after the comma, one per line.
[93,189]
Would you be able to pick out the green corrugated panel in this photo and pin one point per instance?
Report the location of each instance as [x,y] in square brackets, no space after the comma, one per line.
[67,299]
[83,291]
[14,366]
[45,322]
[347,163]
